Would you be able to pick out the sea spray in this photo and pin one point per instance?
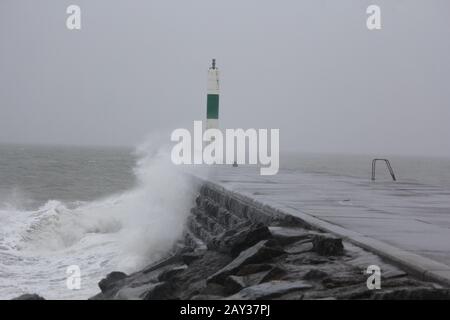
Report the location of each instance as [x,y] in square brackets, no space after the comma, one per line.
[122,232]
[157,208]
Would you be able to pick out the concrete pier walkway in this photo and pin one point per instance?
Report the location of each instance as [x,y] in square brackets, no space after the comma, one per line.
[407,223]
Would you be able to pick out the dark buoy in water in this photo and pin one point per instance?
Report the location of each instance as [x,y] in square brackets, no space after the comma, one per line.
[235,164]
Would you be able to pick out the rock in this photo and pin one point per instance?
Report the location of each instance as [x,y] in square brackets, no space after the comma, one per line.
[286,236]
[273,274]
[307,258]
[346,280]
[399,282]
[111,280]
[170,273]
[224,253]
[414,294]
[270,290]
[198,200]
[29,296]
[256,254]
[98,296]
[188,258]
[392,273]
[206,297]
[130,293]
[315,274]
[300,247]
[210,207]
[214,289]
[192,280]
[159,291]
[162,263]
[235,242]
[234,284]
[327,245]
[346,292]
[143,280]
[253,268]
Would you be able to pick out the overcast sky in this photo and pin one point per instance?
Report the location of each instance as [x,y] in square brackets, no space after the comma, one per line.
[309,68]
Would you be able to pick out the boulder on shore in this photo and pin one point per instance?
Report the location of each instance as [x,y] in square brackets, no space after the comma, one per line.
[235,241]
[257,254]
[270,290]
[327,245]
[111,280]
[29,296]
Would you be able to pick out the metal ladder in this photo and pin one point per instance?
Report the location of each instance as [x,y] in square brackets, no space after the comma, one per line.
[388,164]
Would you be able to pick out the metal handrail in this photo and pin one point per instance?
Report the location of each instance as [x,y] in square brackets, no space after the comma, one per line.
[388,164]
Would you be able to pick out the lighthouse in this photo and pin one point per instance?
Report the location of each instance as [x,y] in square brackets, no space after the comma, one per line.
[212,101]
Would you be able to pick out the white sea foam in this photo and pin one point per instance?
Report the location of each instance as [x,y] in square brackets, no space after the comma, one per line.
[120,232]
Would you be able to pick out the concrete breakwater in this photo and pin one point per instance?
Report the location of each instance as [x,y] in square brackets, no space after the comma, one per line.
[235,248]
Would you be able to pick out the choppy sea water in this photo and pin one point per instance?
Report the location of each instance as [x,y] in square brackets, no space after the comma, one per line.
[106,209]
[101,209]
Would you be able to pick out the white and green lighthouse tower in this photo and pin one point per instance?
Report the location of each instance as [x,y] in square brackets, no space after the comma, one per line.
[212,104]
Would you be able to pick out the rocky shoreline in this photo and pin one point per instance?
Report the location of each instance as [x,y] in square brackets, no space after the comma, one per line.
[234,250]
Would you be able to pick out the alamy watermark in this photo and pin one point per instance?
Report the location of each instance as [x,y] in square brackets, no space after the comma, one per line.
[73,281]
[237,146]
[374,19]
[73,21]
[374,280]
[373,22]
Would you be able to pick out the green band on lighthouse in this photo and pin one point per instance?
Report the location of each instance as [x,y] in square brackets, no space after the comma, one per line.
[212,101]
[212,109]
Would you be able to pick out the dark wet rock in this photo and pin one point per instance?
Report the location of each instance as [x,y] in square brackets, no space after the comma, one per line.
[141,279]
[130,292]
[188,258]
[210,207]
[206,297]
[111,280]
[29,296]
[159,291]
[307,258]
[413,294]
[162,263]
[300,247]
[273,274]
[198,200]
[193,242]
[399,282]
[214,289]
[315,274]
[270,290]
[327,245]
[391,273]
[234,284]
[355,291]
[98,296]
[253,268]
[192,281]
[171,272]
[285,235]
[256,254]
[239,240]
[335,281]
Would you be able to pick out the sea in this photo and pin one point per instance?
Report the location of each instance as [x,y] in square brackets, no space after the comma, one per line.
[103,209]
[70,215]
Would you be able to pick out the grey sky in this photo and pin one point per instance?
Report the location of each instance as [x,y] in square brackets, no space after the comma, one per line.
[310,68]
